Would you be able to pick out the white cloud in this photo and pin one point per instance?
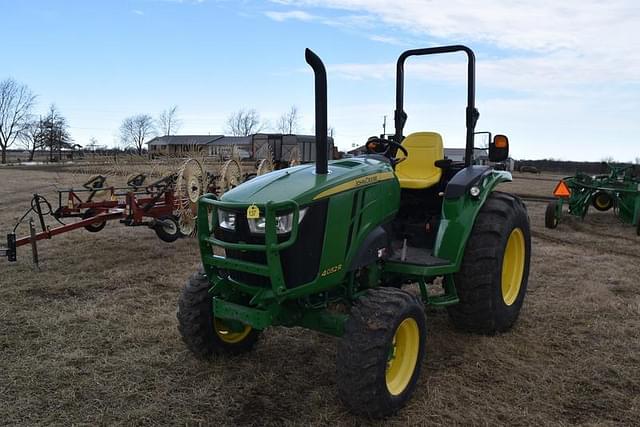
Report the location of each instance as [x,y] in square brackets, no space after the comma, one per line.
[137,12]
[297,15]
[597,36]
[561,77]
[385,39]
[541,73]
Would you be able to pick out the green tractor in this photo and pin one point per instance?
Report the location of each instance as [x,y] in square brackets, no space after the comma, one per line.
[357,247]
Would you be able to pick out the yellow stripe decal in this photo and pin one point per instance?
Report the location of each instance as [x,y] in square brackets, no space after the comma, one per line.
[358,182]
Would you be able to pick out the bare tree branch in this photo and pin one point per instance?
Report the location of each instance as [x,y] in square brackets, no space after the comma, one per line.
[32,138]
[135,130]
[168,121]
[288,122]
[244,123]
[16,103]
[54,133]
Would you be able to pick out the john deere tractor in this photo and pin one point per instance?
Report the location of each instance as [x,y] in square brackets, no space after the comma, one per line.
[357,247]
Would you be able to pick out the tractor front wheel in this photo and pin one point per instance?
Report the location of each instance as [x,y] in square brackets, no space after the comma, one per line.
[203,333]
[492,280]
[381,352]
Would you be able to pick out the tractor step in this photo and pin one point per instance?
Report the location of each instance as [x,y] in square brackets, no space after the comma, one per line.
[416,255]
[417,261]
[429,267]
[443,300]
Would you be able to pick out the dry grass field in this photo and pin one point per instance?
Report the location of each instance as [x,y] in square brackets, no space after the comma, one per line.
[92,339]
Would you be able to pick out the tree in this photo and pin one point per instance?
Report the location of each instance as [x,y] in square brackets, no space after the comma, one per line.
[288,122]
[607,159]
[93,144]
[33,137]
[244,122]
[54,133]
[168,121]
[16,103]
[135,130]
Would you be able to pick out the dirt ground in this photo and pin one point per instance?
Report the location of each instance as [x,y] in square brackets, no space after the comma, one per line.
[92,339]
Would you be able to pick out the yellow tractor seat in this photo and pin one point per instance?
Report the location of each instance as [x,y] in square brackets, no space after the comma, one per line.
[418,171]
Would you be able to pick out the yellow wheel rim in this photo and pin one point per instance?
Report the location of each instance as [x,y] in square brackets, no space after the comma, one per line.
[513,266]
[602,201]
[403,356]
[227,335]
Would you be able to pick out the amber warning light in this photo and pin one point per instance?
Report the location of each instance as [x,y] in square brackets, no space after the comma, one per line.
[501,141]
[562,190]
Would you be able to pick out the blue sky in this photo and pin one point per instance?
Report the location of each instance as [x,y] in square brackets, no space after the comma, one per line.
[562,79]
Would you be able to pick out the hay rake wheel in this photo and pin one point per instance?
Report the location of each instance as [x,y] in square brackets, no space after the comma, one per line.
[294,157]
[264,166]
[264,163]
[230,176]
[190,184]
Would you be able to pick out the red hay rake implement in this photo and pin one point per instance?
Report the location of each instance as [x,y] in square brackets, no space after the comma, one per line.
[155,205]
[168,205]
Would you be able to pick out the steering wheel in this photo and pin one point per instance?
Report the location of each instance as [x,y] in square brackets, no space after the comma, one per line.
[382,146]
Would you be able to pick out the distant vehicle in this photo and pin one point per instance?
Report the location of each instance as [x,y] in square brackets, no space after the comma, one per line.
[529,169]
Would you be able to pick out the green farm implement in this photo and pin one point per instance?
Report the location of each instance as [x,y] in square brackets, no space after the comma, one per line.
[618,190]
[357,247]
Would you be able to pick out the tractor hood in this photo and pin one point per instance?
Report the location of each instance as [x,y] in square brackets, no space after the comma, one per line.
[303,185]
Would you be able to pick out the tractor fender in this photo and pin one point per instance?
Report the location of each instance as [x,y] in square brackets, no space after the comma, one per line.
[460,184]
[367,254]
[460,209]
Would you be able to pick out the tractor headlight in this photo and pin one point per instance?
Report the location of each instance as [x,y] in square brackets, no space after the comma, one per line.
[284,223]
[227,219]
[474,191]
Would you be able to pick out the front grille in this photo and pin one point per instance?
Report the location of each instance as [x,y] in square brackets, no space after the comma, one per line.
[300,262]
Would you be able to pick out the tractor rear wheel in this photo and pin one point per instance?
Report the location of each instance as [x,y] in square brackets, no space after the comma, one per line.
[492,280]
[550,218]
[381,351]
[203,333]
[602,201]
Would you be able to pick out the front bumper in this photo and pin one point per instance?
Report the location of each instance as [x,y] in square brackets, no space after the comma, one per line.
[271,248]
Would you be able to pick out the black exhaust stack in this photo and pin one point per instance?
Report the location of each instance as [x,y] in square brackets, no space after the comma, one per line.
[320,72]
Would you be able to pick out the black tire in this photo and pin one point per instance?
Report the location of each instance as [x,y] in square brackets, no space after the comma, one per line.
[96,226]
[602,201]
[550,219]
[196,323]
[167,229]
[363,360]
[484,306]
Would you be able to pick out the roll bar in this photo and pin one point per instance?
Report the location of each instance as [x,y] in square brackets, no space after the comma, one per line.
[472,113]
[321,110]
